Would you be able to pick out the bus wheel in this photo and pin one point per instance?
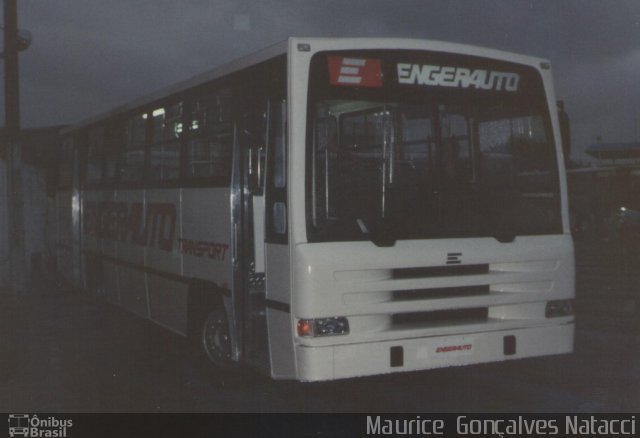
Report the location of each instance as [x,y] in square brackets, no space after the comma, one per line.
[215,337]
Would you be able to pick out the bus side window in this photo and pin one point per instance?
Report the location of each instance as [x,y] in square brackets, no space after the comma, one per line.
[114,142]
[165,149]
[132,155]
[276,209]
[65,164]
[208,150]
[95,154]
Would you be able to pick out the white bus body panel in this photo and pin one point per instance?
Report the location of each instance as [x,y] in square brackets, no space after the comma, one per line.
[206,220]
[344,361]
[355,281]
[281,340]
[150,278]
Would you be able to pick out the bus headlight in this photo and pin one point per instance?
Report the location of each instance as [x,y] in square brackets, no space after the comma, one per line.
[337,325]
[559,308]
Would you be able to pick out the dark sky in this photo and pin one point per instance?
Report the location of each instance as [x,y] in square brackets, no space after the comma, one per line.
[88,56]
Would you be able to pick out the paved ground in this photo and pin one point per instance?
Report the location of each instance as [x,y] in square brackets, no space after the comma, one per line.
[78,356]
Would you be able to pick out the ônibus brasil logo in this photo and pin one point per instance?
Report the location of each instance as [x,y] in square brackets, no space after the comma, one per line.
[33,426]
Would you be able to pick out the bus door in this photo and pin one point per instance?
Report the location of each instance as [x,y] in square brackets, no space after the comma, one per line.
[261,258]
[249,295]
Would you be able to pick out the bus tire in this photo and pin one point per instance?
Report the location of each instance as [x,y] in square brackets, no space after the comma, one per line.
[215,339]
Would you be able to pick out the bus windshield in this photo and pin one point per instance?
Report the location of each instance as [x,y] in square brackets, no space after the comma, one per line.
[414,145]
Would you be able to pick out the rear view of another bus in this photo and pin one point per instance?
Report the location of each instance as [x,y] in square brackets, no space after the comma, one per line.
[428,208]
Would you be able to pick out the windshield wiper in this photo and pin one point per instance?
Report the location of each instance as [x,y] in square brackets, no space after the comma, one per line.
[505,237]
[380,234]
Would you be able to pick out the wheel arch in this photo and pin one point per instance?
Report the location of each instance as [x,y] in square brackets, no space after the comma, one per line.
[204,297]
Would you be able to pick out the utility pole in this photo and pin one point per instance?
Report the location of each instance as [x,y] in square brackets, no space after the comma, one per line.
[15,198]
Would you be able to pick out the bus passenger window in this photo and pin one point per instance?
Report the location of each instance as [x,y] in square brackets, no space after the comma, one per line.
[210,136]
[114,143]
[132,156]
[95,155]
[65,163]
[165,149]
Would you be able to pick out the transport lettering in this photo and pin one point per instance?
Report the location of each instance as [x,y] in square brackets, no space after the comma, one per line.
[201,248]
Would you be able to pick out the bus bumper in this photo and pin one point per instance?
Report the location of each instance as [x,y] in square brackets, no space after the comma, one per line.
[363,359]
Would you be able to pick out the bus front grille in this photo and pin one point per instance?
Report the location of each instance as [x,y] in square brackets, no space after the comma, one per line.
[439,271]
[441,292]
[441,318]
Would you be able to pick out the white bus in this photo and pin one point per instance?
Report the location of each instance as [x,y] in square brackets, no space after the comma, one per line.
[330,208]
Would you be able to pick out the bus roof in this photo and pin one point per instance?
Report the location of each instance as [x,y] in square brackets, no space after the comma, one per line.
[210,75]
[281,49]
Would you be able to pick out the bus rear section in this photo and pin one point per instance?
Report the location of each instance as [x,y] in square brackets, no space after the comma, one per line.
[435,227]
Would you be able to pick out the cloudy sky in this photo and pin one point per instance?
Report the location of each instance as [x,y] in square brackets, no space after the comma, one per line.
[88,56]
